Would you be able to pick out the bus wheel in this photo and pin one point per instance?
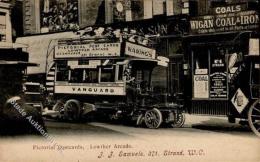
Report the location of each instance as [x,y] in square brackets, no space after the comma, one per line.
[153,118]
[59,106]
[179,121]
[254,117]
[139,120]
[72,110]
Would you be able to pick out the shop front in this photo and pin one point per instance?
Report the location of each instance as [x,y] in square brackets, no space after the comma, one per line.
[216,66]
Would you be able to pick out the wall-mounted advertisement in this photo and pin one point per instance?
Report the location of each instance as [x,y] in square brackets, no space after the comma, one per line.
[228,18]
[254,46]
[201,86]
[218,77]
[87,50]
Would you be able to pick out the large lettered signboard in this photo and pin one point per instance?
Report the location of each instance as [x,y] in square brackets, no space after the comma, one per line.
[223,19]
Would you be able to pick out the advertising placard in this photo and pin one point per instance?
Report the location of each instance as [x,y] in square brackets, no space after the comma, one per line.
[254,46]
[228,18]
[218,77]
[139,51]
[218,85]
[87,50]
[201,86]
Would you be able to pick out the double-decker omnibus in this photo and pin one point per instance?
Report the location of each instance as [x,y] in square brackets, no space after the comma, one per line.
[111,77]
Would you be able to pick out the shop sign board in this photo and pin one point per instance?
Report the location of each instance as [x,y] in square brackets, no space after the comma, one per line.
[87,50]
[224,19]
[90,89]
[139,51]
[201,86]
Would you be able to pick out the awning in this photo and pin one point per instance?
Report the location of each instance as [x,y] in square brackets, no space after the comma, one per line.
[8,45]
[18,63]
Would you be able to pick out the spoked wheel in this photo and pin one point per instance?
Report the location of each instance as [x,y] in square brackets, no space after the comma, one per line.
[153,118]
[72,110]
[254,117]
[179,121]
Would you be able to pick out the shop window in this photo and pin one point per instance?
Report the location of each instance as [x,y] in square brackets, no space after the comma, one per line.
[76,76]
[201,63]
[59,15]
[2,27]
[91,76]
[108,74]
[175,47]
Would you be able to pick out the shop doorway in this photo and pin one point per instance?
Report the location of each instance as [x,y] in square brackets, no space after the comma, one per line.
[176,76]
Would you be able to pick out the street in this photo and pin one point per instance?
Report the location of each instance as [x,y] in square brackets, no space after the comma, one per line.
[194,125]
[201,139]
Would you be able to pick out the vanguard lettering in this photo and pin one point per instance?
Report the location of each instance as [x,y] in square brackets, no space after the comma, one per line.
[96,90]
[90,89]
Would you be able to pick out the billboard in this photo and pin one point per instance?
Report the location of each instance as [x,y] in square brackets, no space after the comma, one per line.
[224,19]
[87,50]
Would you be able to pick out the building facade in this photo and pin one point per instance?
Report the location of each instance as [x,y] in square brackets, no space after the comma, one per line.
[5,22]
[166,22]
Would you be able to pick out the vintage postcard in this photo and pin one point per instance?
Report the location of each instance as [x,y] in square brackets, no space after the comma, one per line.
[129,80]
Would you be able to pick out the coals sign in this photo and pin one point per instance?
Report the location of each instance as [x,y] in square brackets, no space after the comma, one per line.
[228,18]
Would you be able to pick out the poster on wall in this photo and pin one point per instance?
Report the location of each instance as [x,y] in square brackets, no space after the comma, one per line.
[218,77]
[201,86]
[254,46]
[218,85]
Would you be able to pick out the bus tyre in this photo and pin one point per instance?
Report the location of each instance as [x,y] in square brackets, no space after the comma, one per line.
[254,117]
[59,106]
[72,110]
[153,118]
[140,120]
[179,121]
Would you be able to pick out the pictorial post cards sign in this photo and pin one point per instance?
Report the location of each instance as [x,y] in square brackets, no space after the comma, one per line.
[139,51]
[223,19]
[88,50]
